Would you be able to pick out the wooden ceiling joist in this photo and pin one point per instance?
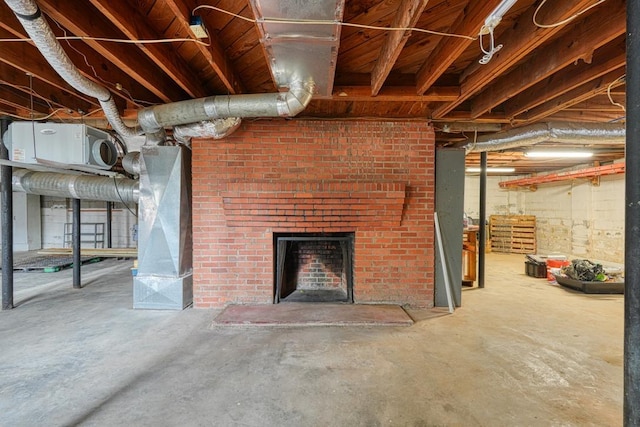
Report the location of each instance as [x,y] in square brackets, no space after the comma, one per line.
[520,40]
[408,14]
[33,86]
[20,100]
[395,93]
[214,53]
[579,43]
[143,70]
[582,93]
[134,26]
[569,78]
[450,48]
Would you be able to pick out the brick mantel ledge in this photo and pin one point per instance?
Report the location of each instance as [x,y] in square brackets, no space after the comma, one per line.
[314,206]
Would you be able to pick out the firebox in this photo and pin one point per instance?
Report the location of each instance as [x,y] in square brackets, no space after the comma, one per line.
[313,267]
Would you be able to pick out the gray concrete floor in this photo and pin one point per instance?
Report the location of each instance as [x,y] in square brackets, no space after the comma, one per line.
[520,352]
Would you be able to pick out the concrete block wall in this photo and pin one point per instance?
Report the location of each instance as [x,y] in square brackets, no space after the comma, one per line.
[315,176]
[58,211]
[575,218]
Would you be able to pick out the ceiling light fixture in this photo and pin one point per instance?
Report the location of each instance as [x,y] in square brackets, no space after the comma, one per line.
[559,154]
[491,170]
[490,23]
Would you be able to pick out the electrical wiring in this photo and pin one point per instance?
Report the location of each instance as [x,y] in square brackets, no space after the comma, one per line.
[564,21]
[126,41]
[29,90]
[315,22]
[115,86]
[619,79]
[48,116]
[115,183]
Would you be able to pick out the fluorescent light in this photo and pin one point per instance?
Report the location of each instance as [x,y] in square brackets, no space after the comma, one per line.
[495,17]
[559,154]
[491,170]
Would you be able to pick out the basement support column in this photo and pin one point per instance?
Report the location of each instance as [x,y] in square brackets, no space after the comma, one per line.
[109,219]
[631,415]
[6,220]
[483,218]
[76,244]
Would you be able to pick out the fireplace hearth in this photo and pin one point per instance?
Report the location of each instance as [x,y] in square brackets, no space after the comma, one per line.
[313,267]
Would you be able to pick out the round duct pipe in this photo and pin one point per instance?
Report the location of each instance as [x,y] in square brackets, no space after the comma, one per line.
[83,187]
[571,133]
[131,162]
[104,153]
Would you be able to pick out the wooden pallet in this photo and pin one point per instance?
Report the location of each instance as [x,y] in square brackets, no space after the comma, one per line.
[513,233]
[97,252]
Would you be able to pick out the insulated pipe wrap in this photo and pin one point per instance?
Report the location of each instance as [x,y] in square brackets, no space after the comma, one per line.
[584,133]
[216,129]
[38,29]
[286,104]
[84,187]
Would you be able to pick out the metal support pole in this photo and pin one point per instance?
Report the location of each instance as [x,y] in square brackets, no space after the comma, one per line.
[483,218]
[6,220]
[631,410]
[76,244]
[109,219]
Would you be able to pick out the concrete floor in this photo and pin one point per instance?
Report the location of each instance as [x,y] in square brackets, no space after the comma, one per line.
[520,352]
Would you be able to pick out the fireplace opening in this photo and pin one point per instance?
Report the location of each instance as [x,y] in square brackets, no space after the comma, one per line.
[313,267]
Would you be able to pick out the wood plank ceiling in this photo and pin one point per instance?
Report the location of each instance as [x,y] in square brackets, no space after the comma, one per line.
[568,72]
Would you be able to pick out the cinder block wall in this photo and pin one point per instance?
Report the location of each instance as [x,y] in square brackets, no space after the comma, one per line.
[575,218]
[376,179]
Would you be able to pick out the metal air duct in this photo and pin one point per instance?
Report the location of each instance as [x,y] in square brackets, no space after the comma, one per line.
[83,187]
[216,129]
[584,133]
[301,39]
[281,104]
[31,18]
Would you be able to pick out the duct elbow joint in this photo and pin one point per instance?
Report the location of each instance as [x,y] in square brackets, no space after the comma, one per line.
[297,99]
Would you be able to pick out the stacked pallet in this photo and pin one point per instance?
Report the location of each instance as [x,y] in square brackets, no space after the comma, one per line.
[513,233]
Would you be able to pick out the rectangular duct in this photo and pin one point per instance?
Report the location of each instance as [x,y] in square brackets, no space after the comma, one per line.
[301,39]
[165,275]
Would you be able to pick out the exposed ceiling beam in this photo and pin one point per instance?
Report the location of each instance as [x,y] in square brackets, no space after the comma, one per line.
[88,62]
[83,23]
[213,53]
[579,43]
[394,93]
[18,99]
[575,96]
[34,86]
[566,80]
[520,40]
[450,48]
[134,25]
[487,118]
[409,11]
[24,57]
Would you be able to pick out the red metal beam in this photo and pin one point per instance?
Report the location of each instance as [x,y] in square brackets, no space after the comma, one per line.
[596,171]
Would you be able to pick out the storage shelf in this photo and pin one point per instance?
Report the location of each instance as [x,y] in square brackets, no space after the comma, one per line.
[90,233]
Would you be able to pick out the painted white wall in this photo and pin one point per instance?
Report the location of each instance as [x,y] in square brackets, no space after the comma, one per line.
[58,211]
[574,218]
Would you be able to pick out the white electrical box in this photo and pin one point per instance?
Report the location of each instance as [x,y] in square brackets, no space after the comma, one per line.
[68,143]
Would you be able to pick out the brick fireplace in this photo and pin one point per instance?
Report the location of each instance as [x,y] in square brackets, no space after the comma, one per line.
[372,181]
